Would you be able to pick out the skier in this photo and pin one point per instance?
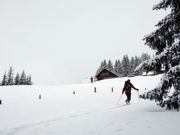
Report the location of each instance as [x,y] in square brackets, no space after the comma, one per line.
[127,89]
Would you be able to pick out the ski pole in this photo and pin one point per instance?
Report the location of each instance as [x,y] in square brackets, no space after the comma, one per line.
[119,98]
[138,95]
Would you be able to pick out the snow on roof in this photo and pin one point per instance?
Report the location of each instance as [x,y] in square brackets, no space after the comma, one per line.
[106,68]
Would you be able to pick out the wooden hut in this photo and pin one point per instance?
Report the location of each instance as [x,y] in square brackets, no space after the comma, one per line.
[105,73]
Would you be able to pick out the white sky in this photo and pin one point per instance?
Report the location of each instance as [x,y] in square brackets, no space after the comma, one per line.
[64,41]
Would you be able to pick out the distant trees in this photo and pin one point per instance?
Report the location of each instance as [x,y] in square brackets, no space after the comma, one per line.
[9,79]
[126,66]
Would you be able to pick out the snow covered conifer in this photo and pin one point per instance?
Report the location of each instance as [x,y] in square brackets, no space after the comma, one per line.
[4,81]
[132,65]
[103,63]
[125,65]
[166,42]
[110,65]
[145,57]
[137,62]
[22,78]
[17,79]
[10,76]
[120,72]
[117,67]
[29,80]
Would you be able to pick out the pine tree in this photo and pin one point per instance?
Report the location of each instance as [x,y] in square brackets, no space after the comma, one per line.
[110,65]
[120,71]
[23,78]
[145,57]
[119,68]
[137,61]
[103,63]
[166,42]
[17,79]
[132,65]
[10,76]
[125,65]
[29,80]
[137,64]
[4,81]
[116,66]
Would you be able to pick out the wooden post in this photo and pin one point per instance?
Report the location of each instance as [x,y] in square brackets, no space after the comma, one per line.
[95,90]
[40,96]
[112,89]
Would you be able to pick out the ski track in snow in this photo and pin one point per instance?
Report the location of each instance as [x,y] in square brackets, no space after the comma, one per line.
[38,128]
[45,124]
[48,122]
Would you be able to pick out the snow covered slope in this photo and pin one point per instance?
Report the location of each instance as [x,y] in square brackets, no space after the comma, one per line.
[60,112]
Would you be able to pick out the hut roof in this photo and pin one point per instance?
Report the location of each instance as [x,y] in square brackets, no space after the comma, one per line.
[105,68]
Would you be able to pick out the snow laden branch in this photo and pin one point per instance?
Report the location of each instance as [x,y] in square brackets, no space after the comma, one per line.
[162,92]
[146,66]
[162,5]
[166,34]
[170,56]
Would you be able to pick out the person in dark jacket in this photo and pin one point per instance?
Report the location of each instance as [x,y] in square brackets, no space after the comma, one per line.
[91,79]
[127,89]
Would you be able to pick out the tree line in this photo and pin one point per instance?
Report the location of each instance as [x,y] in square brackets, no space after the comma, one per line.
[126,66]
[18,79]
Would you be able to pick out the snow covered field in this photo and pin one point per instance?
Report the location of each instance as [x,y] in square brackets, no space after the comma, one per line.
[60,112]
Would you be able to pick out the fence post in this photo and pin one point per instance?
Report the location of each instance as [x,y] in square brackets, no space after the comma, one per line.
[40,96]
[112,89]
[95,90]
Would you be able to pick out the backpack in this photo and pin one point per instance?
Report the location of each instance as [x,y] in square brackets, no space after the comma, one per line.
[126,85]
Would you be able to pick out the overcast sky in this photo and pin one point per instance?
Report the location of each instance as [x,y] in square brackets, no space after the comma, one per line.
[64,41]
